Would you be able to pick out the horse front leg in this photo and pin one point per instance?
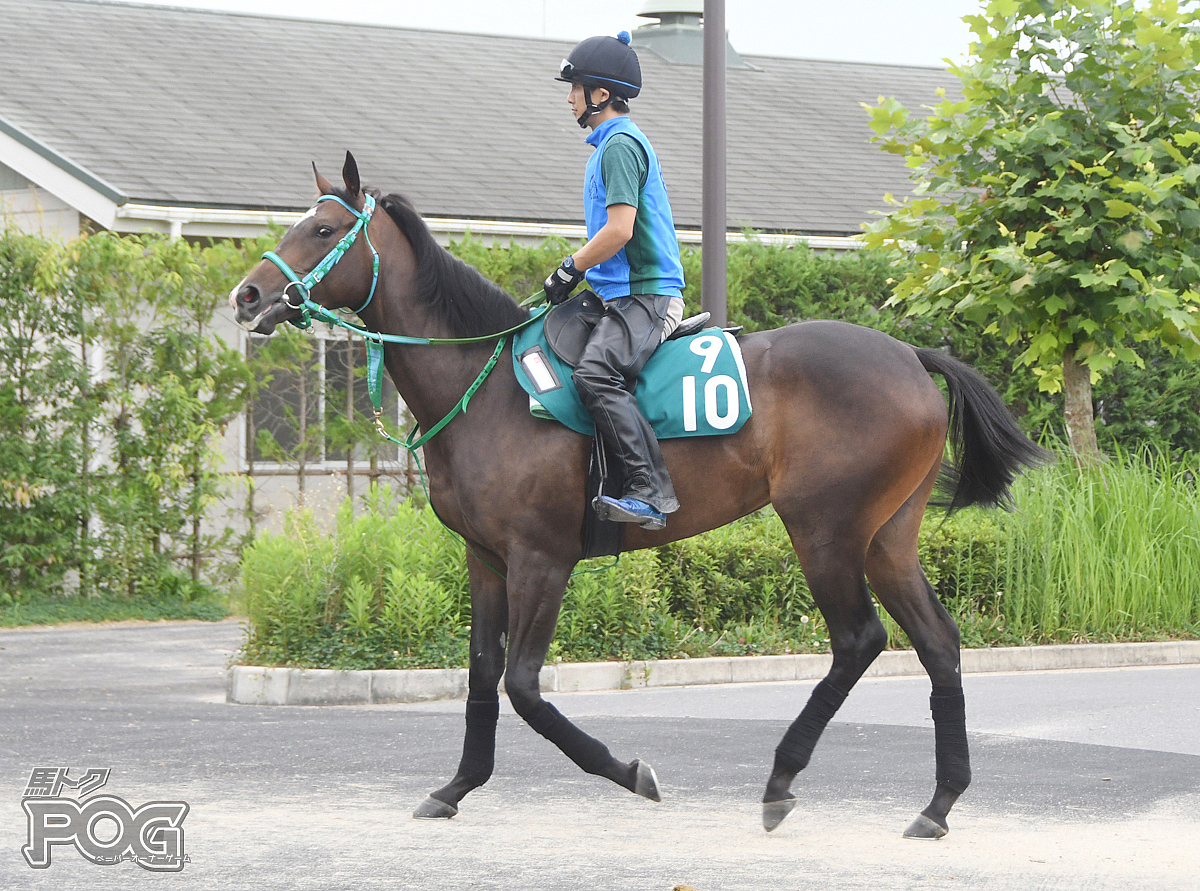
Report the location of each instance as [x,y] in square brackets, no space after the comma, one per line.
[536,585]
[489,621]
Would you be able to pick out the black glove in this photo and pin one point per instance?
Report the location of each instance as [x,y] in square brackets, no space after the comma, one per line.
[562,281]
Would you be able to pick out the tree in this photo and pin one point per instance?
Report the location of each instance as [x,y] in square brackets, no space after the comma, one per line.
[40,446]
[1057,200]
[203,383]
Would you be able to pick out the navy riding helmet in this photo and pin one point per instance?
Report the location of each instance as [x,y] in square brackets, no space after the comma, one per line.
[607,62]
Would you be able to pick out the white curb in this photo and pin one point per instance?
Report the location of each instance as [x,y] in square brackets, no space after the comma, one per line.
[249,685]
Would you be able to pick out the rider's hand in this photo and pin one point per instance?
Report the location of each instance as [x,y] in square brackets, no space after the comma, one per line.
[562,281]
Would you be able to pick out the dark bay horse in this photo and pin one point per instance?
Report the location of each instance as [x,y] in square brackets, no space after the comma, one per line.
[846,441]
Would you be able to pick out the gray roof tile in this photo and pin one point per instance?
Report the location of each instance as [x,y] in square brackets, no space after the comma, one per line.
[220,109]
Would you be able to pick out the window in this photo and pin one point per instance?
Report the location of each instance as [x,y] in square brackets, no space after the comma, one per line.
[300,411]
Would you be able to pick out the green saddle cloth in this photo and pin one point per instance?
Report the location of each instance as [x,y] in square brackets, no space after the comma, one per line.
[693,386]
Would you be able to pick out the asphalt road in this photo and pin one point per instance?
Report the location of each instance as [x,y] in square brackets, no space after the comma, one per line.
[1083,779]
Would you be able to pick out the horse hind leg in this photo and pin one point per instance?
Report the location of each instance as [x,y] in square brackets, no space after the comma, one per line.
[903,590]
[489,620]
[536,589]
[835,577]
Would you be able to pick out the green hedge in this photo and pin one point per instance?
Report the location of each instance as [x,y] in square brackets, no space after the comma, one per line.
[101,493]
[114,391]
[1086,555]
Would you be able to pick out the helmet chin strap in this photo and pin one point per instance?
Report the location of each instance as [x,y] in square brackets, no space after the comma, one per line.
[591,109]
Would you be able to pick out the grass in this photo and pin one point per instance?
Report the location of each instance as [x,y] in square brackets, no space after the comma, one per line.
[1109,553]
[57,612]
[1104,554]
[1086,555]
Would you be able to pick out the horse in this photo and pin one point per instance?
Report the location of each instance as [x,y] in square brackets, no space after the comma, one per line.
[847,440]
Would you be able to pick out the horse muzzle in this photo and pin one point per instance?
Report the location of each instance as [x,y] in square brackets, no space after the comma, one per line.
[255,312]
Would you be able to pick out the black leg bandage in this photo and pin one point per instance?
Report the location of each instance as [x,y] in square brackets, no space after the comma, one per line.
[794,751]
[479,745]
[950,737]
[586,751]
[479,751]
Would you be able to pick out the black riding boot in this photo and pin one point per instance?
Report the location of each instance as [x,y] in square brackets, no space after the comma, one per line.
[620,345]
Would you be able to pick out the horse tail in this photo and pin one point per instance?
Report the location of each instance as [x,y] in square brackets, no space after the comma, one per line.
[987,448]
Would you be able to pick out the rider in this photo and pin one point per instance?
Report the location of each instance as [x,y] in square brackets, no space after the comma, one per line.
[631,259]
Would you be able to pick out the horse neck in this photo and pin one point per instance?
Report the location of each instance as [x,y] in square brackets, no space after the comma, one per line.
[430,379]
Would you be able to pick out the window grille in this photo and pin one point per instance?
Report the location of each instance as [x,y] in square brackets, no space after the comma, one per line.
[306,398]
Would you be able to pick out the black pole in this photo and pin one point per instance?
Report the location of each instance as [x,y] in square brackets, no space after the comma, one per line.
[712,279]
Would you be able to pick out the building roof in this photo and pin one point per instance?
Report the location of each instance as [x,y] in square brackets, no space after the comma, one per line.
[171,107]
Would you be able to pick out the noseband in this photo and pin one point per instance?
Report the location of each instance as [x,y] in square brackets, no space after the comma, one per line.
[305,285]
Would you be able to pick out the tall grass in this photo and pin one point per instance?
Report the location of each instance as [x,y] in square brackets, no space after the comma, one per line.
[1106,554]
[1086,554]
[387,589]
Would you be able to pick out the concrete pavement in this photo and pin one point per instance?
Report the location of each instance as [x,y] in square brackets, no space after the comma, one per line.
[1084,778]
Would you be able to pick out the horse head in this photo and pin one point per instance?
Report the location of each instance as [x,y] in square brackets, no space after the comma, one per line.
[304,267]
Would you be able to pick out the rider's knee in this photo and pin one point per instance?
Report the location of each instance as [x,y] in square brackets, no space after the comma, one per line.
[592,378]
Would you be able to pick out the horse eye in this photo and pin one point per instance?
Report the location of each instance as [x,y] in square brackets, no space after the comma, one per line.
[324,231]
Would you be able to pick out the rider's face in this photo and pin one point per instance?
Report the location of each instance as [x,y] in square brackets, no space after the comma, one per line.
[578,101]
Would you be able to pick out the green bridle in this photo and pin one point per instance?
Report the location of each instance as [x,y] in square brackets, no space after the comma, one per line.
[305,285]
[374,340]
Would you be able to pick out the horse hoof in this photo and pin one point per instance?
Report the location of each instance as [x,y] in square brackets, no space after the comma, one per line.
[925,828]
[432,809]
[646,783]
[775,811]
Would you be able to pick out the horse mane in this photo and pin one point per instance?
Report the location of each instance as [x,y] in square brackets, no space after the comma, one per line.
[457,293]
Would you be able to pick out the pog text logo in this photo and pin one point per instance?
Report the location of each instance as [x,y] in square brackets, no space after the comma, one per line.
[104,829]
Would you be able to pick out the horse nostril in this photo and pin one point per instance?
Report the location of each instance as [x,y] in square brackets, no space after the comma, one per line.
[248,294]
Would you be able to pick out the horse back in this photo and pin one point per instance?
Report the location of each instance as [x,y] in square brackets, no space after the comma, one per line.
[854,380]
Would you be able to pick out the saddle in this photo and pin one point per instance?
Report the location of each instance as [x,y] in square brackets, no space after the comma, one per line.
[570,324]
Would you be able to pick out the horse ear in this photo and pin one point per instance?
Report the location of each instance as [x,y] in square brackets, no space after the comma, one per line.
[350,176]
[324,185]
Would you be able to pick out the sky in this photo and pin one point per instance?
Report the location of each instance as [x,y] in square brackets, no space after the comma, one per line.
[902,32]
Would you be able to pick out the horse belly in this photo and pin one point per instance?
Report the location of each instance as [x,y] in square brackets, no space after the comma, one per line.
[844,417]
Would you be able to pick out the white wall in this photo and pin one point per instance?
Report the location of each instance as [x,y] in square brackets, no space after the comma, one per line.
[29,209]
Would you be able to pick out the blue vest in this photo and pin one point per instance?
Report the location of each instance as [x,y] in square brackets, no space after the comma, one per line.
[649,263]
